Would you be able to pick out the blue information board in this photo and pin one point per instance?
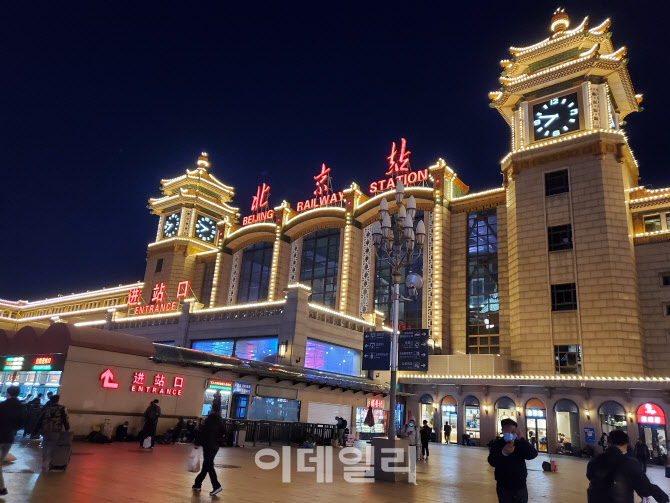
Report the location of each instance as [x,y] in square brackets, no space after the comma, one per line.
[413,350]
[590,435]
[376,351]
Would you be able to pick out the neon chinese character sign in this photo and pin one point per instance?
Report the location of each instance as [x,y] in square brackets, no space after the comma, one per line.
[323,194]
[162,385]
[158,299]
[258,202]
[399,170]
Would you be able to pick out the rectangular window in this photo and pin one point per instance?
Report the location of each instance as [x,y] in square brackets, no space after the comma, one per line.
[482,307]
[568,359]
[332,358]
[667,221]
[274,409]
[217,347]
[563,297]
[260,349]
[159,265]
[410,314]
[652,223]
[207,283]
[665,280]
[320,265]
[560,237]
[556,182]
[667,309]
[255,272]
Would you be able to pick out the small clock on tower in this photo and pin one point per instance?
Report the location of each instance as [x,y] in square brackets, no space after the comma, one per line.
[171,225]
[555,117]
[205,228]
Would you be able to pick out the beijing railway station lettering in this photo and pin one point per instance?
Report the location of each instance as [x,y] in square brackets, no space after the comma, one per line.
[258,202]
[399,170]
[323,193]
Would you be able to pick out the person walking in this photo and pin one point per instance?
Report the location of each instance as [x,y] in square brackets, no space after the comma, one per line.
[341,425]
[603,441]
[208,439]
[615,477]
[447,432]
[642,453]
[426,432]
[52,421]
[11,420]
[508,456]
[151,416]
[411,433]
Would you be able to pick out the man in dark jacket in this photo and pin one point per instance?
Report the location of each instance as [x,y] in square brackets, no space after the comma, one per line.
[642,453]
[425,432]
[508,456]
[151,416]
[447,432]
[613,476]
[11,418]
[208,439]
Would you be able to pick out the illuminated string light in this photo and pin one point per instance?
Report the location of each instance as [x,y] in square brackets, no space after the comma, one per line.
[479,194]
[183,240]
[324,309]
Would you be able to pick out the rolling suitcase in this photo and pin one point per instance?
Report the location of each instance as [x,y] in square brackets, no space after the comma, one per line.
[62,451]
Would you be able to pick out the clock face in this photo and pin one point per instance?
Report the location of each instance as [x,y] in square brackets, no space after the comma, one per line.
[171,225]
[205,229]
[555,117]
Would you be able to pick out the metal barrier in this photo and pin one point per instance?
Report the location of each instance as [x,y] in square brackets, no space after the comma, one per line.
[280,432]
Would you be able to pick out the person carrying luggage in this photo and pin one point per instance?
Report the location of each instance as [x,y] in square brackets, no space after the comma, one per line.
[151,416]
[53,420]
[11,418]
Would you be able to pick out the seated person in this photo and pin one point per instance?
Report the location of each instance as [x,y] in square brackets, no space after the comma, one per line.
[308,443]
[122,432]
[175,433]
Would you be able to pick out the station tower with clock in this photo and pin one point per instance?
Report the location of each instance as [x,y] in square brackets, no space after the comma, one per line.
[190,211]
[572,280]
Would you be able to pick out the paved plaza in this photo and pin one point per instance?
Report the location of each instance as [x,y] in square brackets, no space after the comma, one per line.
[124,473]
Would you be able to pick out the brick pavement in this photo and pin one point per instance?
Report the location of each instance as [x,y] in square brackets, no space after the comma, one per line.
[123,473]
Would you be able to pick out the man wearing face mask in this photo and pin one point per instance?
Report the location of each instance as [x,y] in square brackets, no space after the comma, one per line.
[411,432]
[508,456]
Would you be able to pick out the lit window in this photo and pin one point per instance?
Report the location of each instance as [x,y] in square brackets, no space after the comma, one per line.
[260,349]
[568,359]
[560,237]
[331,358]
[319,265]
[563,297]
[652,223]
[217,347]
[556,182]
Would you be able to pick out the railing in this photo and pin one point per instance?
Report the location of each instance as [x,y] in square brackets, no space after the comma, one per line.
[237,314]
[282,432]
[340,320]
[146,322]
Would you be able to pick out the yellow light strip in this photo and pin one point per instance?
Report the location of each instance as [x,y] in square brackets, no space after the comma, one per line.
[78,296]
[597,30]
[316,210]
[324,309]
[300,286]
[275,264]
[653,233]
[271,226]
[520,51]
[477,194]
[90,323]
[252,305]
[522,78]
[664,194]
[345,265]
[437,273]
[392,192]
[407,375]
[201,200]
[71,313]
[148,317]
[207,253]
[183,239]
[215,285]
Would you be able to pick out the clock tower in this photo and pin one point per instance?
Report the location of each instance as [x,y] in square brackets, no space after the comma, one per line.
[571,261]
[187,240]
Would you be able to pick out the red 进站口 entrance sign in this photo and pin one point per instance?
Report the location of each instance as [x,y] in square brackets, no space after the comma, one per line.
[158,386]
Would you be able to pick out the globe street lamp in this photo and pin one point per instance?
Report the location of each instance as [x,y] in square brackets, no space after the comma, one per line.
[397,244]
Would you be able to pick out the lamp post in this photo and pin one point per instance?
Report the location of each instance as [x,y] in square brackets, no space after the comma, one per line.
[397,244]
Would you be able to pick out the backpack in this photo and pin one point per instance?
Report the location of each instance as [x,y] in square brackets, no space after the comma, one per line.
[602,489]
[546,466]
[344,424]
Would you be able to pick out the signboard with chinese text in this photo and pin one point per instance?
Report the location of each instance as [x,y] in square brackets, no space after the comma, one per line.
[241,388]
[323,194]
[260,206]
[590,435]
[54,361]
[220,385]
[376,351]
[158,300]
[399,170]
[413,350]
[376,403]
[650,413]
[155,383]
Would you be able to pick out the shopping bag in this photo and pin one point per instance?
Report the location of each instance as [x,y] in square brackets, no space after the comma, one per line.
[147,442]
[193,464]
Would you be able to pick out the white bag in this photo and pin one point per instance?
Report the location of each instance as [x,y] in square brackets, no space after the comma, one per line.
[193,464]
[147,443]
[9,458]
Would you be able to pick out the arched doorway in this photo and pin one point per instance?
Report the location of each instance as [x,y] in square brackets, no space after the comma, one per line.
[428,410]
[472,418]
[612,417]
[536,424]
[505,408]
[651,426]
[567,426]
[449,408]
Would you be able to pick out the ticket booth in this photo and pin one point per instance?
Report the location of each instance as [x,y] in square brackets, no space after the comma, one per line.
[214,386]
[33,374]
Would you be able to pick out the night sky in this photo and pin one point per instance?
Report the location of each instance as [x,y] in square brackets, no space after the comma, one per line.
[101,101]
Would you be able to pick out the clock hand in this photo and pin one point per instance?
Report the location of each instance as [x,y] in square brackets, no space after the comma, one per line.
[551,117]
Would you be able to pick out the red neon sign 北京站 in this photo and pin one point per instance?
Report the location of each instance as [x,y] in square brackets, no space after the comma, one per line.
[260,199]
[399,170]
[401,164]
[322,181]
[406,179]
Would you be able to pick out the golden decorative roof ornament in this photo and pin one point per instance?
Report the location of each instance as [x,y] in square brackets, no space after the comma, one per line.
[203,161]
[559,22]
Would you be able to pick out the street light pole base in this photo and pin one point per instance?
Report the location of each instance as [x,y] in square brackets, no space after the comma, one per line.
[403,467]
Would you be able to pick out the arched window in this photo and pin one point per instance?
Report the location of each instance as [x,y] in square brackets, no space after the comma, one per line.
[505,409]
[410,312]
[472,418]
[319,265]
[254,278]
[567,426]
[536,424]
[612,417]
[449,415]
